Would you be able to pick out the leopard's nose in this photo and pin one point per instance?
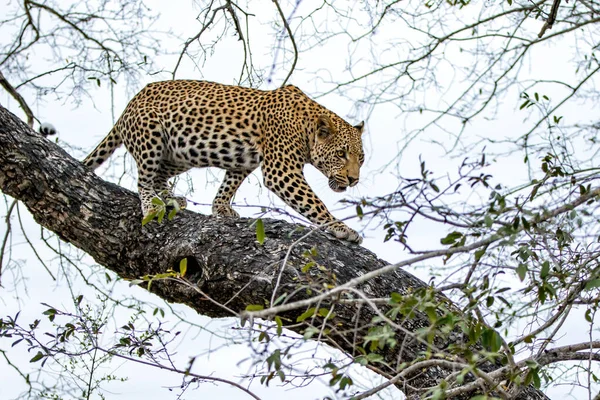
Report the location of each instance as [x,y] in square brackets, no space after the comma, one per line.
[352,181]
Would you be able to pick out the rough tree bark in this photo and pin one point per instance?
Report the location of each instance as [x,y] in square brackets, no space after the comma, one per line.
[224,257]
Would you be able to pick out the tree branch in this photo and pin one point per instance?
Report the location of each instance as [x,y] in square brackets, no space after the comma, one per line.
[17,96]
[291,35]
[223,257]
[551,18]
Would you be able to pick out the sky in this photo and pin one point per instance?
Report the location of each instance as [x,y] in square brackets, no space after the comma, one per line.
[219,346]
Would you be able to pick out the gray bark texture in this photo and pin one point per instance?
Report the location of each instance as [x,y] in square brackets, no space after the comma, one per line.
[224,258]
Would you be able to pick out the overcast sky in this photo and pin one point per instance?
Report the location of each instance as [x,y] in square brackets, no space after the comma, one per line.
[82,126]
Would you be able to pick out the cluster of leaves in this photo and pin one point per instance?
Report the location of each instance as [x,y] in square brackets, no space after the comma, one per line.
[160,210]
[71,342]
[529,247]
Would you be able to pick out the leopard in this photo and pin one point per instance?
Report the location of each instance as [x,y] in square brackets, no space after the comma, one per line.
[172,126]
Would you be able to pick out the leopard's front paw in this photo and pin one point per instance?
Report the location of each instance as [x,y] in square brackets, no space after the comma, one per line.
[224,210]
[344,232]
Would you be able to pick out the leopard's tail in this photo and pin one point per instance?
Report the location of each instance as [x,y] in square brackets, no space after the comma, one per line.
[106,147]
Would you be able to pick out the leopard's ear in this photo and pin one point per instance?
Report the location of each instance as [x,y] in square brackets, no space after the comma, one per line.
[360,127]
[324,128]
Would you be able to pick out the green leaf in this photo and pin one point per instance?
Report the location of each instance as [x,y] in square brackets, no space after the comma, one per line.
[37,357]
[492,340]
[536,380]
[260,231]
[264,337]
[395,297]
[479,253]
[374,357]
[361,360]
[173,203]
[157,201]
[451,238]
[254,307]
[308,266]
[279,325]
[522,271]
[310,332]
[149,217]
[488,221]
[545,270]
[161,215]
[183,266]
[359,211]
[542,294]
[324,312]
[592,284]
[51,313]
[279,299]
[430,311]
[306,314]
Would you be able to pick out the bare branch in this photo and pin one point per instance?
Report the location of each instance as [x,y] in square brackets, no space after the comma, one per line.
[22,103]
[551,18]
[291,36]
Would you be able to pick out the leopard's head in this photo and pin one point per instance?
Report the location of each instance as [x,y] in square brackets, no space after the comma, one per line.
[337,151]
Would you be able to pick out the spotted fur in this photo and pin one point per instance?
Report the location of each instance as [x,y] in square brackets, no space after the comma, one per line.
[172,126]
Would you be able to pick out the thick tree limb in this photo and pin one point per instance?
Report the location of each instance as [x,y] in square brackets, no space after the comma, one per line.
[224,258]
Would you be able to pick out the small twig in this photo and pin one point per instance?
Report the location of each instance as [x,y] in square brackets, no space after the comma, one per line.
[291,35]
[13,92]
[590,360]
[551,18]
[289,252]
[563,310]
[75,27]
[196,37]
[6,235]
[266,313]
[31,244]
[425,364]
[236,21]
[16,368]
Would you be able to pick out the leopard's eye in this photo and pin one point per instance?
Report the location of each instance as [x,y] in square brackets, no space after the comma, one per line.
[340,153]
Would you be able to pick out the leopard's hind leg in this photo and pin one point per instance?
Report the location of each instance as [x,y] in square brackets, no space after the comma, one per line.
[165,189]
